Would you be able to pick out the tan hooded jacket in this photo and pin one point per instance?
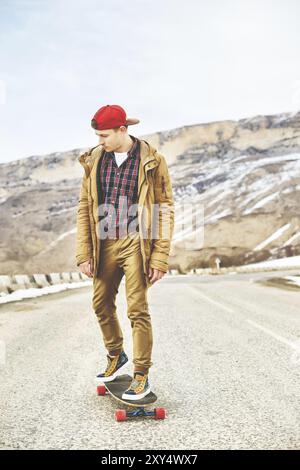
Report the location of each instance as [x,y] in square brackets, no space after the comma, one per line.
[154,188]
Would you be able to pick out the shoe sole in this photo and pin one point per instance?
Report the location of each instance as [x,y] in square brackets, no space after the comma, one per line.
[110,378]
[136,397]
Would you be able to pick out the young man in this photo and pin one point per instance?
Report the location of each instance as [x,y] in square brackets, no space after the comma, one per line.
[125,223]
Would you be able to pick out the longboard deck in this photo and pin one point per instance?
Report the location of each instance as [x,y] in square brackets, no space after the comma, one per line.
[118,386]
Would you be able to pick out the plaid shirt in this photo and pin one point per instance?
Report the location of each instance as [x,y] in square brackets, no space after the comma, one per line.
[119,182]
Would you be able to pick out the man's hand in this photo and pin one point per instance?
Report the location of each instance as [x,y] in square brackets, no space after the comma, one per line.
[87,267]
[155,275]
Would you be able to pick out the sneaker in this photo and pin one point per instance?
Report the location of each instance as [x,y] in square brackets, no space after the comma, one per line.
[139,387]
[113,367]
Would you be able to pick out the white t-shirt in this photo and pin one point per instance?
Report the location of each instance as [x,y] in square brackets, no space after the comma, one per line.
[120,157]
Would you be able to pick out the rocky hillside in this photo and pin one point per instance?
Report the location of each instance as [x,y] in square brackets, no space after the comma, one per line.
[239,179]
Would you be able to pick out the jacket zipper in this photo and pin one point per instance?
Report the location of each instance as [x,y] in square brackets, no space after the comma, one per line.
[153,159]
[163,185]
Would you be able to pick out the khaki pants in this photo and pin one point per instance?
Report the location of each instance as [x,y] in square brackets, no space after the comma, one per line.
[118,257]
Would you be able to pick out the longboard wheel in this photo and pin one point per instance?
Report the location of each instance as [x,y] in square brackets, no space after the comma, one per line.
[120,415]
[160,413]
[101,390]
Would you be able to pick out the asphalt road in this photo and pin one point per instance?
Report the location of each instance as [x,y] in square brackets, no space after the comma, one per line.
[226,367]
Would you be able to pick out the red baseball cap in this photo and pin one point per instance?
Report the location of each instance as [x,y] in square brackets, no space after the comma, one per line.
[111,116]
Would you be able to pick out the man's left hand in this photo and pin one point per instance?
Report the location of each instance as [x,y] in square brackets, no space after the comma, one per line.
[155,275]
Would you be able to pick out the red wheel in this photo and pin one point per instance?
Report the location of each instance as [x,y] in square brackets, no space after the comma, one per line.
[101,390]
[120,415]
[160,413]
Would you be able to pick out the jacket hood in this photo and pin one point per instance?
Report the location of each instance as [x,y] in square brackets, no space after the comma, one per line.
[88,158]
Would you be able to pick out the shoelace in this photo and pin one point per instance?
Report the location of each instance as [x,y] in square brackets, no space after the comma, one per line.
[137,383]
[110,364]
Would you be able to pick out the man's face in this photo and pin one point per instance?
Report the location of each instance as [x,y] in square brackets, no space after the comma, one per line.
[111,140]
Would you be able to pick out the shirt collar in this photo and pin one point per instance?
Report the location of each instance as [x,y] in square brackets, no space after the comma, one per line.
[133,152]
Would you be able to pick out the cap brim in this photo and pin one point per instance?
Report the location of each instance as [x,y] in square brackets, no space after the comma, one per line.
[131,121]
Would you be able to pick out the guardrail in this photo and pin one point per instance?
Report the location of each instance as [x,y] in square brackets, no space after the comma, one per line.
[234,269]
[10,284]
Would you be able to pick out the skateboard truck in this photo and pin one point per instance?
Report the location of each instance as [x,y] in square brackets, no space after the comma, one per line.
[157,413]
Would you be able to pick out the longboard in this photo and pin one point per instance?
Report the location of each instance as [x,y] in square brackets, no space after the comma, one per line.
[117,387]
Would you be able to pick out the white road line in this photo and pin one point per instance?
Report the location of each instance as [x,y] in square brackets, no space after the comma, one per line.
[293,345]
[211,300]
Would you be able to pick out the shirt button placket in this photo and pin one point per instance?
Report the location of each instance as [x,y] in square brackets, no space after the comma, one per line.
[116,182]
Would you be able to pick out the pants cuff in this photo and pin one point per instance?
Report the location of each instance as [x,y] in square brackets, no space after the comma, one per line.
[115,352]
[144,370]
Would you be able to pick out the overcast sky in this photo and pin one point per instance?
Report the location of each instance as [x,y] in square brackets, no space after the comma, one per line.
[167,62]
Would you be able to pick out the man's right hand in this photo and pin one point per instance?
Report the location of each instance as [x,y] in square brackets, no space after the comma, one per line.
[87,267]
